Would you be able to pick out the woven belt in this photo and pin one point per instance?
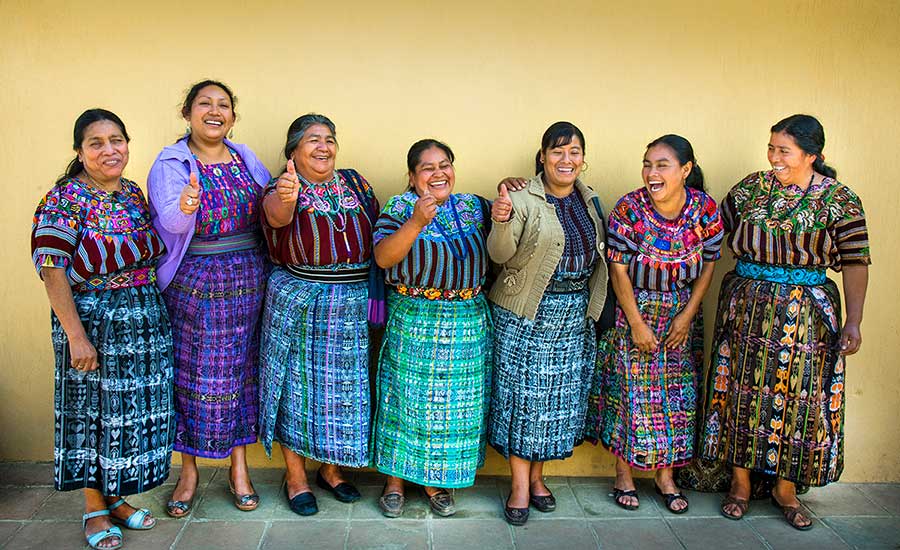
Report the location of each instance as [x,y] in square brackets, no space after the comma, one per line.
[120,279]
[333,274]
[430,293]
[566,286]
[221,245]
[784,274]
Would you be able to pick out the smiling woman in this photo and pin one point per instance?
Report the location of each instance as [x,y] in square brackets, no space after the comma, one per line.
[204,196]
[93,245]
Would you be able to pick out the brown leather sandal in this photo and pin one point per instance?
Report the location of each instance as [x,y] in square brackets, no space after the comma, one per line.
[742,504]
[792,514]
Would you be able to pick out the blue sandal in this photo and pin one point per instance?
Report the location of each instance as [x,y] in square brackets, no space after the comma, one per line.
[95,539]
[135,521]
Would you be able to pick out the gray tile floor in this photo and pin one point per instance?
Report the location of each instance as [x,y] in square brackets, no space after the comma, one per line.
[33,515]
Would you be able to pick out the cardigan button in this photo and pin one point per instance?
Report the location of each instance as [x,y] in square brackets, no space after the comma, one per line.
[602,245]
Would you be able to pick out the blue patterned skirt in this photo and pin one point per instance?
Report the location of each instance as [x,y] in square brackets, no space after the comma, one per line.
[114,426]
[433,390]
[542,375]
[314,369]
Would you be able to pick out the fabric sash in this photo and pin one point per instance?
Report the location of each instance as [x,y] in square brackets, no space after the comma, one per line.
[228,243]
[783,274]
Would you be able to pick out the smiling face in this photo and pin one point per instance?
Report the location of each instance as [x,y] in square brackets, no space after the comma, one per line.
[792,165]
[212,114]
[434,175]
[104,151]
[314,155]
[563,163]
[663,175]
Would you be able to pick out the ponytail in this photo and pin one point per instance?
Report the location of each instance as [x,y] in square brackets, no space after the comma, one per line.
[695,179]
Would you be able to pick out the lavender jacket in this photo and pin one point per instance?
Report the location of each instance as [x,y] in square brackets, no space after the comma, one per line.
[169,174]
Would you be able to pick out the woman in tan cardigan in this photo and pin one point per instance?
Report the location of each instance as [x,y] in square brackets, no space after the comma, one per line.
[550,241]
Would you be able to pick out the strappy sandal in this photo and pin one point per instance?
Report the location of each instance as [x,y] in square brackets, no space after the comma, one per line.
[792,513]
[95,539]
[244,503]
[180,508]
[742,504]
[617,494]
[670,498]
[135,521]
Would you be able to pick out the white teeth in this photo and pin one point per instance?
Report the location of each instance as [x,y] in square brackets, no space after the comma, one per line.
[438,183]
[778,168]
[565,170]
[213,122]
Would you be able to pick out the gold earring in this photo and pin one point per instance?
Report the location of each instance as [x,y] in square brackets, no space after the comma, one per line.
[584,167]
[231,133]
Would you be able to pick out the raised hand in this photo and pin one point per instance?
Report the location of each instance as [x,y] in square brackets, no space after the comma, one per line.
[425,210]
[502,206]
[288,184]
[514,183]
[190,196]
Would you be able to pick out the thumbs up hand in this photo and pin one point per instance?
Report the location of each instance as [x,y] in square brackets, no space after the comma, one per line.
[288,184]
[501,209]
[190,196]
[425,210]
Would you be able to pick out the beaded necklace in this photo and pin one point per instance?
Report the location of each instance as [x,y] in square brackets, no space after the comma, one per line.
[336,215]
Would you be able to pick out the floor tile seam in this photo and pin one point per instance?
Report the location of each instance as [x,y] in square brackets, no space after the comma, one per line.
[42,504]
[187,521]
[667,522]
[262,536]
[347,528]
[759,535]
[866,496]
[836,533]
[12,535]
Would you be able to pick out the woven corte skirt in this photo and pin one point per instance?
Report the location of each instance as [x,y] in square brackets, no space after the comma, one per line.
[541,379]
[314,369]
[774,400]
[433,390]
[115,425]
[643,405]
[215,303]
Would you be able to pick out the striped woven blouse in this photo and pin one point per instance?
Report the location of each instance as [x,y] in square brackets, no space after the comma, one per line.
[450,252]
[580,248]
[823,226]
[330,226]
[89,232]
[664,254]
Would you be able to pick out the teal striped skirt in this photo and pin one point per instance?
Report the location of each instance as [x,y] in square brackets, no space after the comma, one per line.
[433,390]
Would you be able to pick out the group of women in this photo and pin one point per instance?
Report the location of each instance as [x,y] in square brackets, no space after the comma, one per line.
[234,305]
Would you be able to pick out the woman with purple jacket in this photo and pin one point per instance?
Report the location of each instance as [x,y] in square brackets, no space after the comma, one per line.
[204,199]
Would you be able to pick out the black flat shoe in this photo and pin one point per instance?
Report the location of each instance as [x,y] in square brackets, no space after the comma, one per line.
[515,516]
[303,504]
[344,492]
[543,503]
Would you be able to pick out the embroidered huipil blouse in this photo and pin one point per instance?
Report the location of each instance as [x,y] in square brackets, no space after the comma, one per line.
[663,254]
[450,252]
[230,200]
[580,248]
[90,232]
[330,225]
[769,223]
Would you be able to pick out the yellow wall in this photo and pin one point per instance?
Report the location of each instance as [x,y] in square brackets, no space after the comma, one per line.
[486,77]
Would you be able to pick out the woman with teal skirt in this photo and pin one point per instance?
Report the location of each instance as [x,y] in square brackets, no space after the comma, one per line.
[433,374]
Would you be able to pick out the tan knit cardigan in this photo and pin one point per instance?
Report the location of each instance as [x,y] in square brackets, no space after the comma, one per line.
[529,246]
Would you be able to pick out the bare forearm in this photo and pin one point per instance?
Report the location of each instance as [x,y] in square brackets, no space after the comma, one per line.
[278,213]
[396,246]
[855,281]
[60,295]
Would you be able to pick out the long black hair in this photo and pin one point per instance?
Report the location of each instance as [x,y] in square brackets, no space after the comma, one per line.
[809,135]
[558,134]
[84,120]
[685,154]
